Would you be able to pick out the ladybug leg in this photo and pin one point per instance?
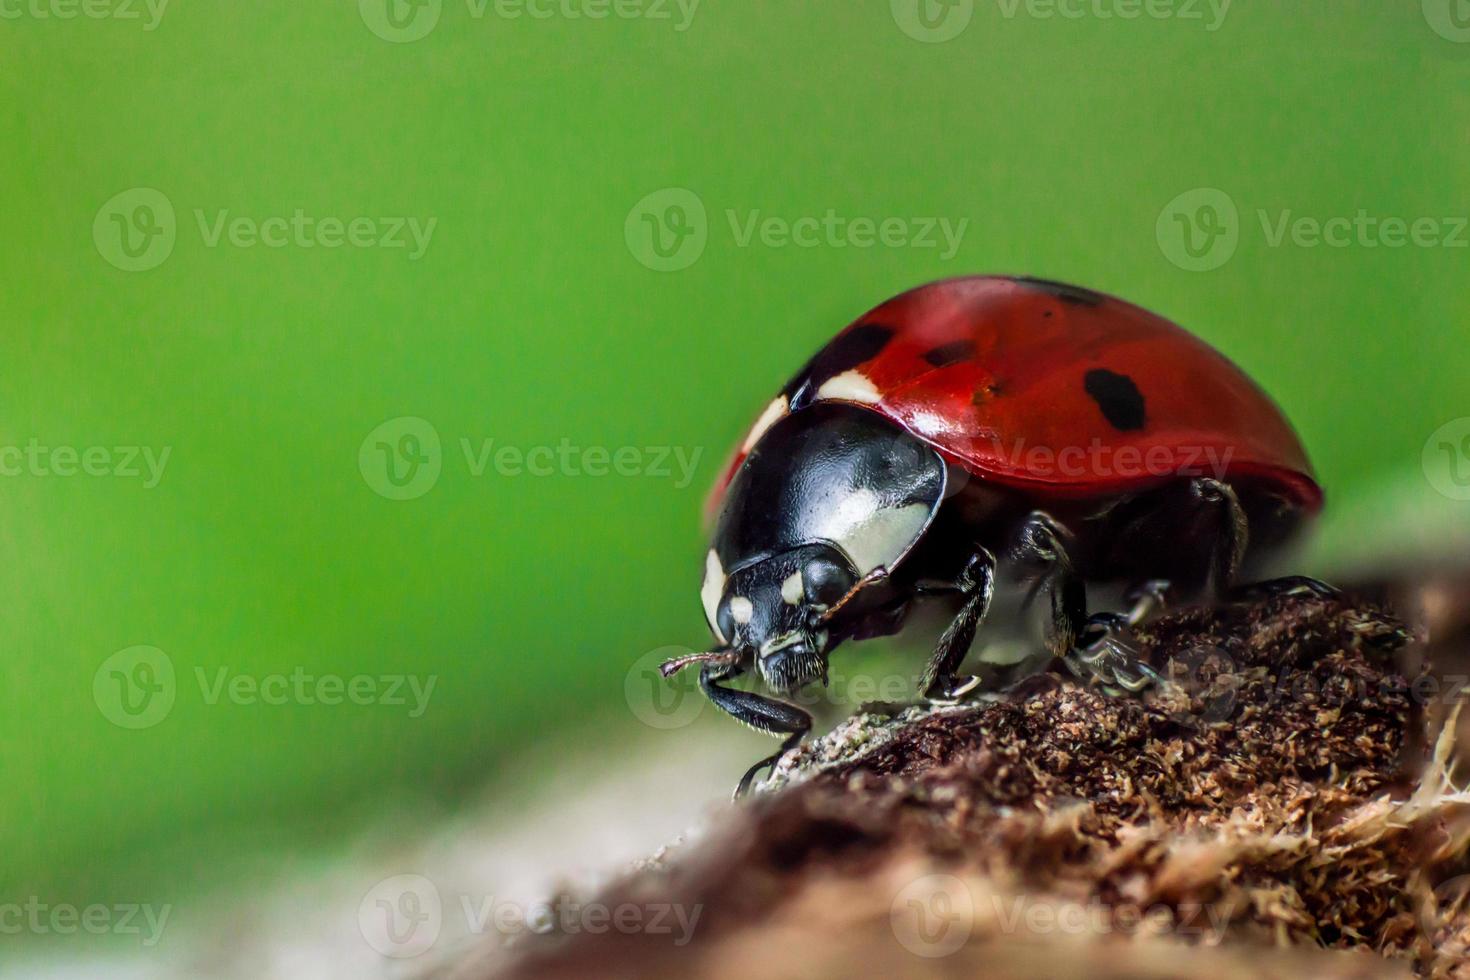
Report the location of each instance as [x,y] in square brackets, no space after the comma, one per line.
[1230,548]
[1230,544]
[1040,546]
[761,713]
[1148,600]
[1298,585]
[977,584]
[1104,658]
[1090,648]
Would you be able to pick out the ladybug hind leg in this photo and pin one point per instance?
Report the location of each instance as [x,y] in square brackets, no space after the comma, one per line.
[1229,550]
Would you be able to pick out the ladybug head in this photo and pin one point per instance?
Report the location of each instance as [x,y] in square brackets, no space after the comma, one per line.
[772,611]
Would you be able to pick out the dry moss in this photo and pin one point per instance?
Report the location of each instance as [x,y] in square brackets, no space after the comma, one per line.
[1271,811]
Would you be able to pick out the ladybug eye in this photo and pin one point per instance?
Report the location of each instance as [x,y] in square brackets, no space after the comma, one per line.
[824,581]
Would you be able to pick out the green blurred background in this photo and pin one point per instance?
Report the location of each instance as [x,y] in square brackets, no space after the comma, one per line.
[536,317]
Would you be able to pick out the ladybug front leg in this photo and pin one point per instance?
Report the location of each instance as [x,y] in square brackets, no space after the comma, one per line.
[764,714]
[977,584]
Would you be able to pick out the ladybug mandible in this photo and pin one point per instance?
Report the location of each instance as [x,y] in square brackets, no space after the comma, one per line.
[989,428]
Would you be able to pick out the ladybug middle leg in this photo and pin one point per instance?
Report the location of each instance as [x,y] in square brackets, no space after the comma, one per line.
[764,714]
[1087,646]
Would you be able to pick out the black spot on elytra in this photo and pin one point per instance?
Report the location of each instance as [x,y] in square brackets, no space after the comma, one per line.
[1063,291]
[944,356]
[1118,397]
[845,352]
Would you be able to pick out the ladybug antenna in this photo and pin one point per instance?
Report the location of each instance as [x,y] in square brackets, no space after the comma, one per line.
[671,667]
[876,575]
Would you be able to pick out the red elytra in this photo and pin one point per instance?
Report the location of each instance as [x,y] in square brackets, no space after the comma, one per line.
[1015,380]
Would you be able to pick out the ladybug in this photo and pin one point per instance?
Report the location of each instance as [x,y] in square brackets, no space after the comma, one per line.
[981,429]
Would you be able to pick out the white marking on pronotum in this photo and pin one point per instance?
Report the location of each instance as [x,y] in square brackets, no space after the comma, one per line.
[850,386]
[711,590]
[741,609]
[774,413]
[886,536]
[793,589]
[871,534]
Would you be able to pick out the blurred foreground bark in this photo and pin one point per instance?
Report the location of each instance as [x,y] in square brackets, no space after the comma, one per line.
[1285,806]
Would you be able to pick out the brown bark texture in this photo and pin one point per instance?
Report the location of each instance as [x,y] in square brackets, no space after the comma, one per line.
[1285,805]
